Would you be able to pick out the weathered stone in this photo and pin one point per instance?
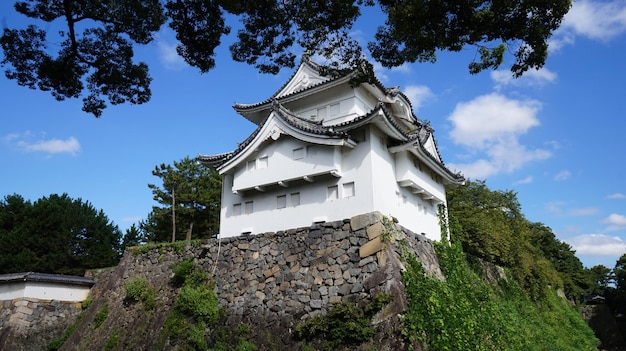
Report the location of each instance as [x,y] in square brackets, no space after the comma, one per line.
[371,247]
[317,304]
[375,230]
[364,220]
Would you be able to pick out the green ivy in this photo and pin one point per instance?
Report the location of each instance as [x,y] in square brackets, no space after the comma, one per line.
[465,313]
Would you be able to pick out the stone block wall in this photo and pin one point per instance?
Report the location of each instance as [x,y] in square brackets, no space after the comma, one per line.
[270,281]
[30,324]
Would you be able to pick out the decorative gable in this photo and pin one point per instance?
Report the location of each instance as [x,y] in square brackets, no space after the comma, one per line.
[305,77]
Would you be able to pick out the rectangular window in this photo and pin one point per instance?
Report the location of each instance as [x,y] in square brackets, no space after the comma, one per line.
[251,165]
[321,113]
[281,201]
[295,199]
[332,193]
[249,209]
[262,162]
[348,189]
[298,153]
[334,110]
[236,209]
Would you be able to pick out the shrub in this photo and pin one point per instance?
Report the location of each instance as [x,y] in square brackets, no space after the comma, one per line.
[137,289]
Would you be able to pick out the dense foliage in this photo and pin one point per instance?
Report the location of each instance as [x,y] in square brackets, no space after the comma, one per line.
[55,234]
[195,191]
[490,225]
[466,313]
[95,49]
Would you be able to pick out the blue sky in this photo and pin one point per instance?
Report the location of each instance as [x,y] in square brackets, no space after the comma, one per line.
[555,136]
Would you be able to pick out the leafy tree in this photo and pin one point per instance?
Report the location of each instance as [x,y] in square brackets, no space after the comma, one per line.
[196,192]
[55,234]
[133,237]
[600,278]
[95,50]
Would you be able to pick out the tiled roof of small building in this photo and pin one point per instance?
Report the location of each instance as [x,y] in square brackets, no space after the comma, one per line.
[45,277]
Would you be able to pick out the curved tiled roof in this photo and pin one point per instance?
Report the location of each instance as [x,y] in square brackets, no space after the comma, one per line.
[373,80]
[304,125]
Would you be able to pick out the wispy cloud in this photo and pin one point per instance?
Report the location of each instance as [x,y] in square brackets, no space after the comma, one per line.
[489,127]
[526,180]
[586,211]
[598,245]
[168,55]
[596,20]
[531,78]
[562,175]
[28,142]
[616,196]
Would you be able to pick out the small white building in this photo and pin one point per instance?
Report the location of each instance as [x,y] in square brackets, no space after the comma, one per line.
[44,286]
[326,150]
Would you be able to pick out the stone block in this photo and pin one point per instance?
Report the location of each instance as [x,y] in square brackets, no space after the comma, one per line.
[381,256]
[375,230]
[364,220]
[371,247]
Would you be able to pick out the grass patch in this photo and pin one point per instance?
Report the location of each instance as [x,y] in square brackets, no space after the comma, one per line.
[138,290]
[100,316]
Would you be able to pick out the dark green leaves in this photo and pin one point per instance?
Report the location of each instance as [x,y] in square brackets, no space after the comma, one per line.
[98,59]
[199,26]
[55,234]
[95,58]
[416,29]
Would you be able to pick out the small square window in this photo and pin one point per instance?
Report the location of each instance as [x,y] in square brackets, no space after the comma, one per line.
[295,199]
[281,201]
[332,193]
[249,209]
[298,153]
[348,189]
[262,162]
[251,165]
[236,209]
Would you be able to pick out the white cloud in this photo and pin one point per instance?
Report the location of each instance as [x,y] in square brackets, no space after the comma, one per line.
[615,222]
[562,175]
[598,245]
[490,125]
[418,95]
[526,180]
[167,51]
[531,78]
[25,142]
[617,196]
[596,20]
